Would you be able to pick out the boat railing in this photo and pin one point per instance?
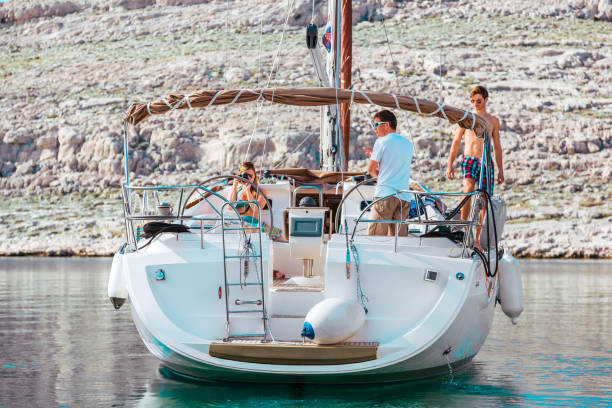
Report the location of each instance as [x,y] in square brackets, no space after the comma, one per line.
[144,204]
[421,216]
[296,189]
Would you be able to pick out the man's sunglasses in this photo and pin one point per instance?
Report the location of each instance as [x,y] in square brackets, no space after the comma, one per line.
[377,124]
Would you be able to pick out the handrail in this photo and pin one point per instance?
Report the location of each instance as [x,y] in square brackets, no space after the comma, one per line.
[417,194]
[304,188]
[182,187]
[339,210]
[232,176]
[129,217]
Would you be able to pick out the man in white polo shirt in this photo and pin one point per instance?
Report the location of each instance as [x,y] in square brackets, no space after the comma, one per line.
[390,162]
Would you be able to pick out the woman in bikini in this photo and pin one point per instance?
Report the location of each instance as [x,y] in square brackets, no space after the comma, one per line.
[242,191]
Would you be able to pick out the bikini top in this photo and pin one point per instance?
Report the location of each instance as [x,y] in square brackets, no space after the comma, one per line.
[244,206]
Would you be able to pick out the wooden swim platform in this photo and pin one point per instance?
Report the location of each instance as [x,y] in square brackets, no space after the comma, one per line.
[294,353]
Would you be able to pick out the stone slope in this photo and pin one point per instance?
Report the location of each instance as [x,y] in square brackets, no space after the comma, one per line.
[69,69]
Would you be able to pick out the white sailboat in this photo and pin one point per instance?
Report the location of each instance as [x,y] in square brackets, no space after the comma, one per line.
[215,298]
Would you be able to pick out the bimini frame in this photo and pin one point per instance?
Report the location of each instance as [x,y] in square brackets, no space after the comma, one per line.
[303,97]
[315,97]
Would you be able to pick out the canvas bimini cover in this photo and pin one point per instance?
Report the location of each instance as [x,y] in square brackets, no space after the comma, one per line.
[307,97]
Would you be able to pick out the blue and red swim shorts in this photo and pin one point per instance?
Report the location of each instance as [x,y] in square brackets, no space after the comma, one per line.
[471,167]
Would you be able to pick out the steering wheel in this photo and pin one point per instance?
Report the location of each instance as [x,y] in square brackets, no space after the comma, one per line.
[219,183]
[355,187]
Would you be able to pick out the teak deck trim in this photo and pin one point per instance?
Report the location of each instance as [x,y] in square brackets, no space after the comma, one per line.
[292,354]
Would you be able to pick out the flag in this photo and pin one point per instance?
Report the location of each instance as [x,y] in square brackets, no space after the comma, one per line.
[327,36]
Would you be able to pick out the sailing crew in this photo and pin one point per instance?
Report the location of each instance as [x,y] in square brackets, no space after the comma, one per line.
[472,151]
[390,161]
[243,192]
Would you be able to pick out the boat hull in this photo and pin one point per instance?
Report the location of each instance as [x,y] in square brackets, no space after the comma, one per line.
[177,366]
[362,378]
[442,337]
[473,334]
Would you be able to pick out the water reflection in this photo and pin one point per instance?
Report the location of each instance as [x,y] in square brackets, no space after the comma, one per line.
[438,392]
[64,345]
[55,320]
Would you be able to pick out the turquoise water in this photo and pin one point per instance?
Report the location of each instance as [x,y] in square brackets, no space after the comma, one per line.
[63,344]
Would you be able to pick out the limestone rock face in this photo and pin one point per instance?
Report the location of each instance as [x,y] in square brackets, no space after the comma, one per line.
[24,11]
[604,10]
[133,4]
[435,65]
[47,142]
[25,168]
[180,2]
[7,169]
[70,69]
[68,136]
[235,75]
[19,136]
[47,155]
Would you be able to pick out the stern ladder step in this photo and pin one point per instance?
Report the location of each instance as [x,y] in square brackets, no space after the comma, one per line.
[257,302]
[251,251]
[244,284]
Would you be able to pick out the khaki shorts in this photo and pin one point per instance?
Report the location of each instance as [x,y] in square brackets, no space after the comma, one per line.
[391,208]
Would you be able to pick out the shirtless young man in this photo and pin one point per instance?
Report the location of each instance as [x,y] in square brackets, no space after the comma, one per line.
[472,151]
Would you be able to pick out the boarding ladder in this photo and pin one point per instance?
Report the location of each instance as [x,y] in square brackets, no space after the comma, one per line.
[239,306]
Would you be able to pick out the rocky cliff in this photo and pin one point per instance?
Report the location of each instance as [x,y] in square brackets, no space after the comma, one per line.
[68,71]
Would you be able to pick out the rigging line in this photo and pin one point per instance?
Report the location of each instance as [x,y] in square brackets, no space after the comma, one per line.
[266,133]
[441,98]
[312,16]
[367,116]
[295,149]
[227,61]
[260,101]
[260,46]
[404,113]
[290,4]
[263,153]
[361,107]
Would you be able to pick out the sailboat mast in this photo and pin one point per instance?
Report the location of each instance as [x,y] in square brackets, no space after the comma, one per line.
[339,74]
[336,63]
[330,126]
[346,57]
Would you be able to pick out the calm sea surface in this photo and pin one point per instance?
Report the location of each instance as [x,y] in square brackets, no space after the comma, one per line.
[63,344]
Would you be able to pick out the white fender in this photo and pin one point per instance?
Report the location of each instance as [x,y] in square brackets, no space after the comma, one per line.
[510,287]
[333,320]
[117,289]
